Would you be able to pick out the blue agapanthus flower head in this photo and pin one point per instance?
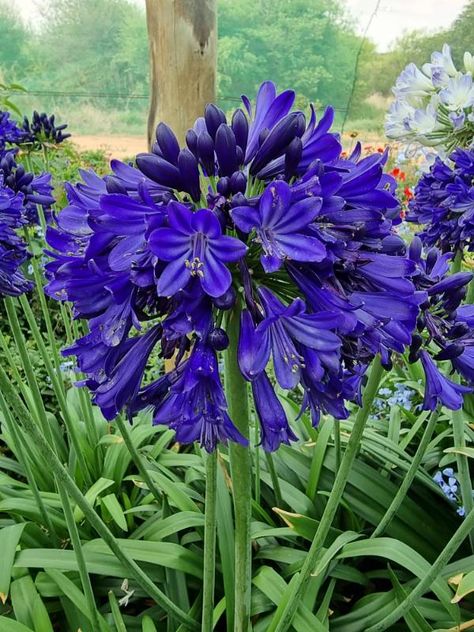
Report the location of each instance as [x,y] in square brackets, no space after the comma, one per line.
[36,190]
[259,219]
[42,129]
[13,253]
[10,133]
[445,328]
[444,203]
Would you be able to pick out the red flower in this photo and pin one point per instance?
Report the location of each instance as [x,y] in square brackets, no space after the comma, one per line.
[398,173]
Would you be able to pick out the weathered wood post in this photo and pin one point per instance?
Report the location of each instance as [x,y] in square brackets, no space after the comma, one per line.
[183,42]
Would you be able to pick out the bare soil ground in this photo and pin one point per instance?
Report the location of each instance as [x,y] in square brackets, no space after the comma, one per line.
[128,146]
[113,146]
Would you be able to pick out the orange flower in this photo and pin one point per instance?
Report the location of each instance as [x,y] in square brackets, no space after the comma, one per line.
[408,193]
[398,173]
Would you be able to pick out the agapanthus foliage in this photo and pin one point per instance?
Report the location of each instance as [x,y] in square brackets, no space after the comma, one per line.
[434,105]
[12,247]
[444,203]
[258,218]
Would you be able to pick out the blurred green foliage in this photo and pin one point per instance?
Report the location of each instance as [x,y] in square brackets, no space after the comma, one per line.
[100,49]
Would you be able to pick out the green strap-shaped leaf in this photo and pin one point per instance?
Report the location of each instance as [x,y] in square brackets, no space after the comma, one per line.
[92,494]
[408,558]
[9,537]
[465,586]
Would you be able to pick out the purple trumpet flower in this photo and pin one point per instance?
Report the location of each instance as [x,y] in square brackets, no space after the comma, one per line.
[283,333]
[193,246]
[282,227]
[12,248]
[438,388]
[273,422]
[195,406]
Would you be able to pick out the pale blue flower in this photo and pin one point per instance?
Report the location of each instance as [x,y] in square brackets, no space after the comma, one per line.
[459,93]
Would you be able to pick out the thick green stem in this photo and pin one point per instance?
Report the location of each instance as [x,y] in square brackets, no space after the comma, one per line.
[285,618]
[63,478]
[458,421]
[436,569]
[409,476]
[57,385]
[456,264]
[337,443]
[241,472]
[137,458]
[209,543]
[28,368]
[24,462]
[464,476]
[81,563]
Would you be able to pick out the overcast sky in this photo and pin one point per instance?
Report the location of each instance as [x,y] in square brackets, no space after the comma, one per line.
[392,19]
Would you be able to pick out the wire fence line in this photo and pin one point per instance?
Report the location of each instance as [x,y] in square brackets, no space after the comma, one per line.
[145,97]
[111,95]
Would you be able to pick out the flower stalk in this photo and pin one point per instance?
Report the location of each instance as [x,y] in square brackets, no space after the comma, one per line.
[436,569]
[241,472]
[285,618]
[210,527]
[408,477]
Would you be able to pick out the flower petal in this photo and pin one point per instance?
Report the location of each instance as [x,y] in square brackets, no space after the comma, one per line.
[173,278]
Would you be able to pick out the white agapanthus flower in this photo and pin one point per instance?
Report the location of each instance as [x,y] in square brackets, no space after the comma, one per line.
[458,94]
[412,85]
[469,63]
[425,120]
[434,106]
[398,119]
[444,60]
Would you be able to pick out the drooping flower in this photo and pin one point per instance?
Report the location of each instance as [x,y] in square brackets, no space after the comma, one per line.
[194,405]
[439,389]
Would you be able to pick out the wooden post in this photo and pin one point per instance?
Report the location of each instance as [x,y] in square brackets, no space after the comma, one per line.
[183,41]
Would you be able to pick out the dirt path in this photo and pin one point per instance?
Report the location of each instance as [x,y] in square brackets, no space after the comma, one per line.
[114,146]
[129,146]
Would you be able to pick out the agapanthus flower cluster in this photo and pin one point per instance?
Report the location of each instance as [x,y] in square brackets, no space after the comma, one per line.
[258,219]
[445,328]
[36,190]
[13,253]
[10,133]
[42,129]
[434,105]
[444,203]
